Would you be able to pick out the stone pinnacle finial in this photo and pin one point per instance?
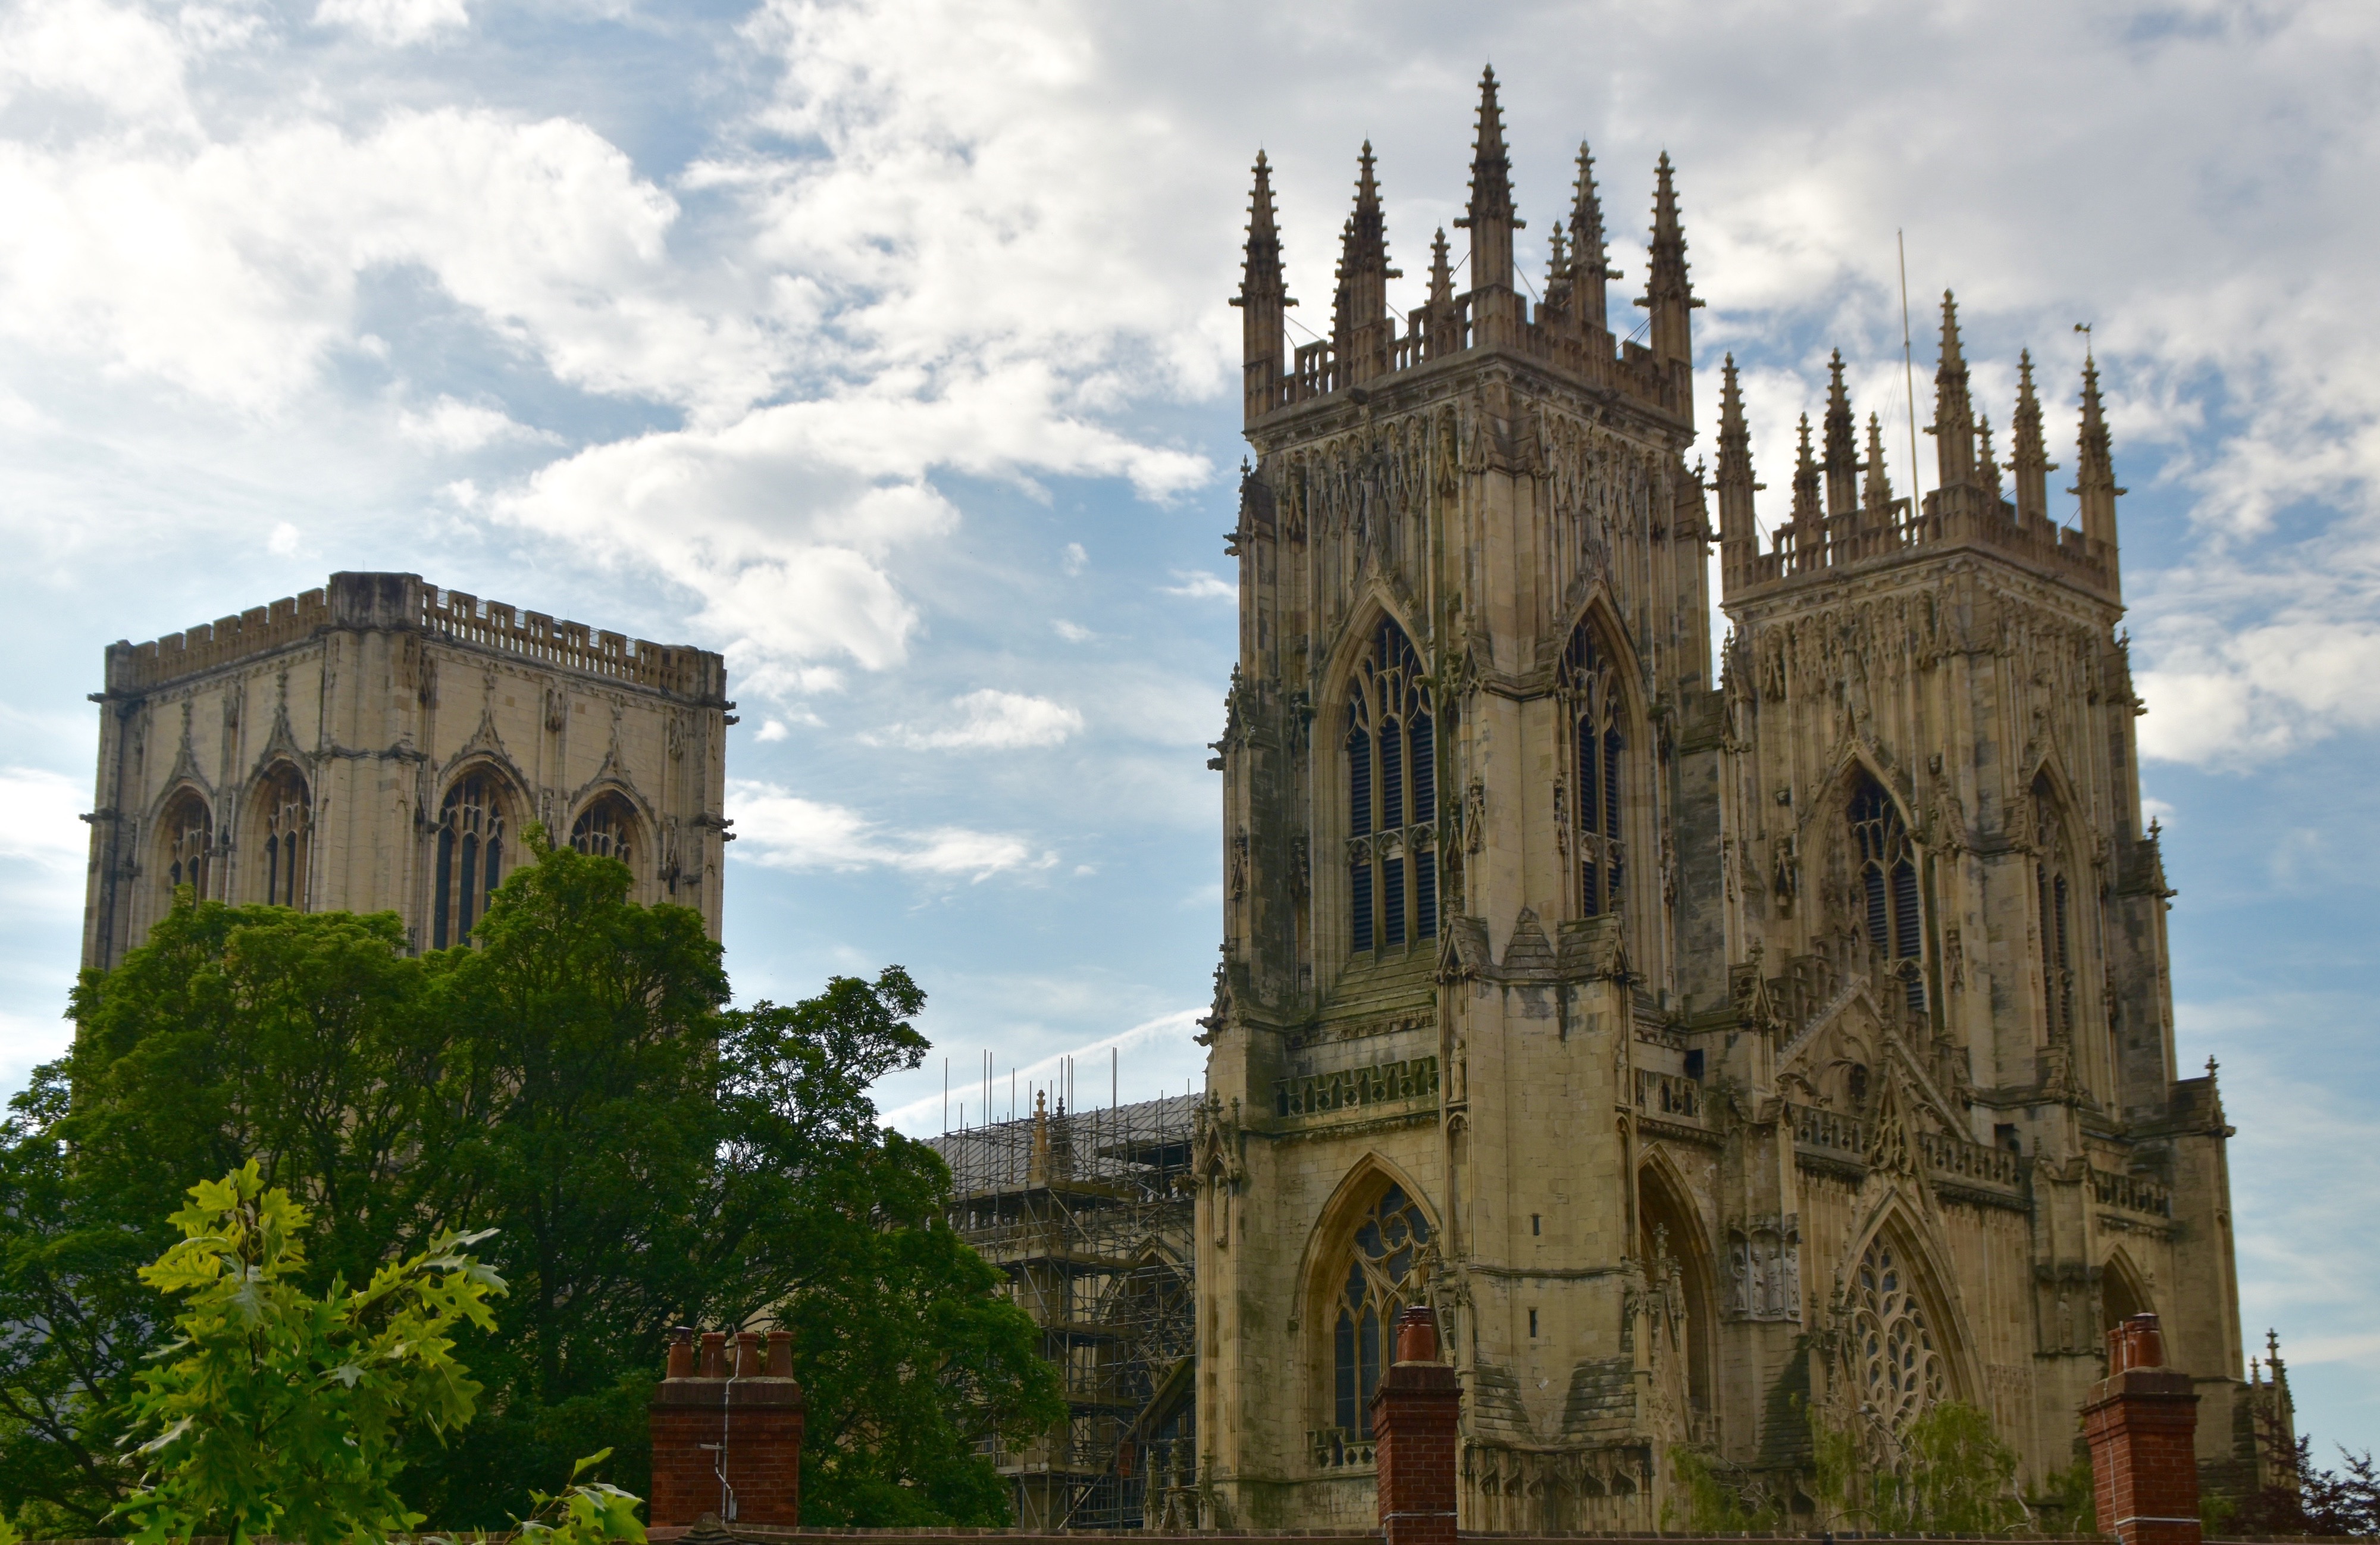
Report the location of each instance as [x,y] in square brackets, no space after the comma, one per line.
[1361,298]
[1668,294]
[1489,216]
[1441,274]
[1805,487]
[1875,495]
[1738,532]
[2094,463]
[2028,457]
[1954,417]
[1590,256]
[1841,461]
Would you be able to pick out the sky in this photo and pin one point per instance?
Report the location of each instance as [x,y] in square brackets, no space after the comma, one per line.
[883,346]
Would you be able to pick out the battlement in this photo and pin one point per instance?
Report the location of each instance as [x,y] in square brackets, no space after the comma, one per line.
[402,602]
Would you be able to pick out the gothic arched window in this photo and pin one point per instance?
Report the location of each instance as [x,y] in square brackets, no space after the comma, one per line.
[1592,692]
[2056,913]
[1886,877]
[284,814]
[470,858]
[607,828]
[186,838]
[1894,1358]
[1391,749]
[1379,1281]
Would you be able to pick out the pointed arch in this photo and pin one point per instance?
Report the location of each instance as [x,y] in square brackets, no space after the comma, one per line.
[608,824]
[480,815]
[1382,731]
[1886,872]
[2124,1291]
[279,835]
[183,838]
[1670,1227]
[1922,1348]
[1371,1252]
[1593,678]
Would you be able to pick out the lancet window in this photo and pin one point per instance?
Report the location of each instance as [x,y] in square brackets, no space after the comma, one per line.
[186,835]
[1598,743]
[1391,748]
[606,829]
[1380,1280]
[286,816]
[1886,883]
[470,858]
[2056,913]
[1898,1367]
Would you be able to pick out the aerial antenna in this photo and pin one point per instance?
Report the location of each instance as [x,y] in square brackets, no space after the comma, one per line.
[1909,375]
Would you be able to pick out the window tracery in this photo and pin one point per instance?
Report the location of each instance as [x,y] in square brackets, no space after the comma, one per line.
[606,829]
[1591,688]
[1896,1362]
[1380,1280]
[1887,886]
[285,812]
[186,835]
[1392,756]
[470,858]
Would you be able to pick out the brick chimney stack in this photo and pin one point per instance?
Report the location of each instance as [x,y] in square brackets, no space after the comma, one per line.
[1413,1421]
[2141,1421]
[727,1432]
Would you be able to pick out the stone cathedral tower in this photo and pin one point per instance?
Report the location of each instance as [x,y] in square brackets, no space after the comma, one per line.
[1716,1056]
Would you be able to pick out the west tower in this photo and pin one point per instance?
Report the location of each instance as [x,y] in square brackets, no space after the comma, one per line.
[1713,1057]
[382,744]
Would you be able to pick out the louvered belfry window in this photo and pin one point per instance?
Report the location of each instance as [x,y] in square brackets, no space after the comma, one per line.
[470,858]
[1591,690]
[1887,879]
[1392,750]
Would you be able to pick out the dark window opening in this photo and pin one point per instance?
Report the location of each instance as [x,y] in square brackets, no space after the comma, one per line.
[470,862]
[1380,1279]
[1391,788]
[1590,687]
[1886,862]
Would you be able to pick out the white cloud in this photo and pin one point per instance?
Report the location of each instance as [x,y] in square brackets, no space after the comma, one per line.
[44,846]
[453,426]
[781,830]
[774,730]
[283,543]
[989,720]
[1074,560]
[1072,632]
[1200,586]
[117,57]
[393,23]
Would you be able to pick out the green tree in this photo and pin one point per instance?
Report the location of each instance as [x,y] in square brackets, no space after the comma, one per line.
[1946,1472]
[277,1412]
[649,1157]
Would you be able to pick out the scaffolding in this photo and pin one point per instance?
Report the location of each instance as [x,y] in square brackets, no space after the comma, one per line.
[1090,1216]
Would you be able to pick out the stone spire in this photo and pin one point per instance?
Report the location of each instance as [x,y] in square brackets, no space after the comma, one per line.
[1842,449]
[1738,535]
[1360,305]
[1441,275]
[1490,218]
[1954,417]
[1263,302]
[1590,262]
[2030,456]
[1987,469]
[1557,272]
[1668,294]
[1439,323]
[2095,465]
[1875,494]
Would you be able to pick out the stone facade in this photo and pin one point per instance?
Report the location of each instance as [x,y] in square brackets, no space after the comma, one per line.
[382,745]
[1715,1045]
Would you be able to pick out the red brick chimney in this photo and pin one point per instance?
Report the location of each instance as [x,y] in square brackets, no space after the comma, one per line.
[727,1442]
[1413,1421]
[2141,1421]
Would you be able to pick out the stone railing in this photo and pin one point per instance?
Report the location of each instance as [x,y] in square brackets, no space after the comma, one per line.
[1831,1133]
[1963,514]
[1830,1136]
[1335,1448]
[2131,1192]
[1381,1084]
[1670,1096]
[1964,1160]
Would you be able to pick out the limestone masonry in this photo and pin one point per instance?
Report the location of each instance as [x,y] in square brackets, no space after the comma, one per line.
[1718,1048]
[381,745]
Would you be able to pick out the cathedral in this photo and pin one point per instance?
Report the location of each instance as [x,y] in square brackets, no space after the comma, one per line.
[382,745]
[1732,1053]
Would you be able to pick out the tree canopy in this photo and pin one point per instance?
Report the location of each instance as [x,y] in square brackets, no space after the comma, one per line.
[573,1080]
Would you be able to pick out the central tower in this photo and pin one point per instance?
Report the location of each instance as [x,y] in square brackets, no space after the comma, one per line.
[1473,609]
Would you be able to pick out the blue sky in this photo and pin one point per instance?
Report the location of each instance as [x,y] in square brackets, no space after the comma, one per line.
[881,345]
